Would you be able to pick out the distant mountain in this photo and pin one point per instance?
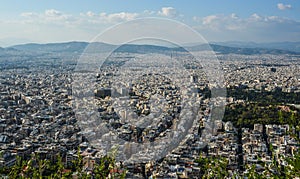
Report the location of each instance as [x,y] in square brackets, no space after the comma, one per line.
[79,47]
[290,46]
[133,48]
[221,49]
[4,52]
[53,47]
[249,51]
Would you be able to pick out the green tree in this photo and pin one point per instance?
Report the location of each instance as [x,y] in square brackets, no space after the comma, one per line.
[16,170]
[280,117]
[213,167]
[293,168]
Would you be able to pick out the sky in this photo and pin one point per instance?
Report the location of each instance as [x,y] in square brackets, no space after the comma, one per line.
[217,21]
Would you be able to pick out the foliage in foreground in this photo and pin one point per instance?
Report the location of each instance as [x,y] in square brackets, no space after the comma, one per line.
[42,168]
[217,167]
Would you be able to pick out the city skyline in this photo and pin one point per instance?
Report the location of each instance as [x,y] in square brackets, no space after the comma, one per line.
[256,21]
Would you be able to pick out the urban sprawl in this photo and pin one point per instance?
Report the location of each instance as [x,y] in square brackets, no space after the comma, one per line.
[144,100]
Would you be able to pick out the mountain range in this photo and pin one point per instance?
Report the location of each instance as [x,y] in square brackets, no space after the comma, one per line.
[290,46]
[219,47]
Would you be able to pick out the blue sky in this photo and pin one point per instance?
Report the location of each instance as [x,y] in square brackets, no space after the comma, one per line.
[228,20]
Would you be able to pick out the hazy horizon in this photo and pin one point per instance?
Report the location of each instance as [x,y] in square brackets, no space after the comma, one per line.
[188,44]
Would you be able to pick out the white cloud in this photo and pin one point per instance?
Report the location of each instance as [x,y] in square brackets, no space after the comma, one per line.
[53,13]
[282,6]
[118,17]
[53,25]
[88,18]
[254,28]
[168,12]
[219,22]
[49,15]
[216,27]
[149,12]
[234,16]
[209,19]
[29,14]
[90,14]
[255,17]
[104,18]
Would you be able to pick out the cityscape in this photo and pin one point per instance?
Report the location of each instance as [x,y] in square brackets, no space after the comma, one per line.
[141,103]
[162,90]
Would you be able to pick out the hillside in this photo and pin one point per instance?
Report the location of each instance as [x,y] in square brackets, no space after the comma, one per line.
[79,47]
